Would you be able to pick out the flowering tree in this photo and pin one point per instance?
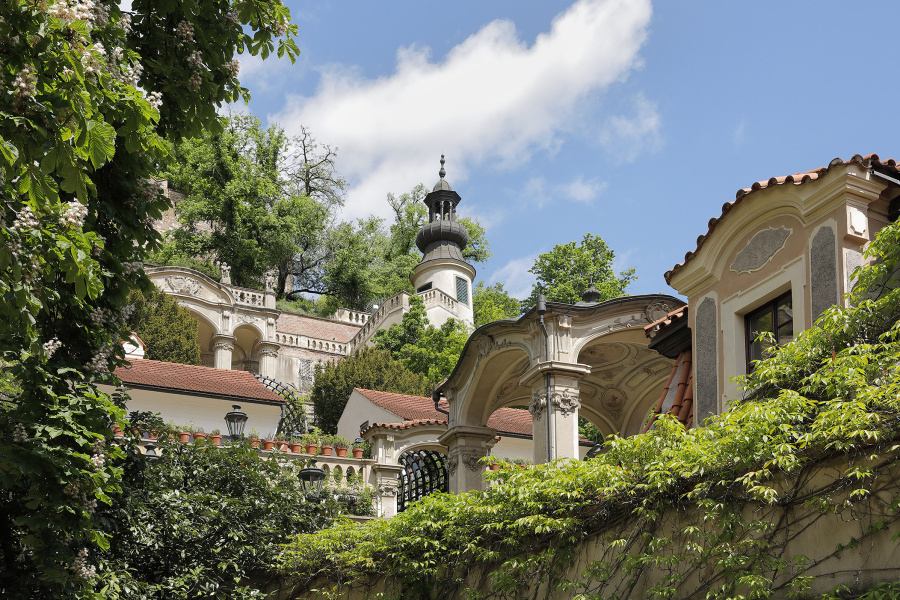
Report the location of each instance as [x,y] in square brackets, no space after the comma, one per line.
[90,97]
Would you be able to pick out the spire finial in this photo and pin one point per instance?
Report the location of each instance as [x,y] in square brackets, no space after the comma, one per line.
[442,172]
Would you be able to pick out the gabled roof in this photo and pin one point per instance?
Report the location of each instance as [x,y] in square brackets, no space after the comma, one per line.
[419,410]
[315,327]
[869,161]
[188,379]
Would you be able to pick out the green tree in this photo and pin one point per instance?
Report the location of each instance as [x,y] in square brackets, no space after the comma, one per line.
[372,368]
[493,303]
[566,271]
[429,351]
[168,329]
[207,522]
[92,97]
[249,204]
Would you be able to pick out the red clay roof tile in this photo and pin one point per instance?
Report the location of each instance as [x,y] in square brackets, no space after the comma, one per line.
[240,385]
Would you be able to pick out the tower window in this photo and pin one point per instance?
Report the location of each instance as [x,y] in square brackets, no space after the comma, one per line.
[775,317]
[462,290]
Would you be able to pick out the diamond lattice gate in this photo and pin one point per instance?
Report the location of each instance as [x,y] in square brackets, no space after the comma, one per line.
[424,472]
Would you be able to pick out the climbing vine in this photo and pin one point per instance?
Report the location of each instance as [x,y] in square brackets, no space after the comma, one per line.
[719,511]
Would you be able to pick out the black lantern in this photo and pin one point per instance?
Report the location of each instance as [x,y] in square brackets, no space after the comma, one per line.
[150,452]
[235,420]
[312,479]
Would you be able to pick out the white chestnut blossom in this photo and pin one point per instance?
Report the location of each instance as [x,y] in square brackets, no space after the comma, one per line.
[74,214]
[50,347]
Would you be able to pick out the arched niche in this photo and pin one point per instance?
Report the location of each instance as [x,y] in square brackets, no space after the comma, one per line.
[245,356]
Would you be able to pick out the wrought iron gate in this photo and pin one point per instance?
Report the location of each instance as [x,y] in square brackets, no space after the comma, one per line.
[424,472]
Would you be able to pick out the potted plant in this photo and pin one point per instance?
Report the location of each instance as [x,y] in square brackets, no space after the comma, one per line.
[327,445]
[311,441]
[358,449]
[254,439]
[269,443]
[296,445]
[184,435]
[199,434]
[341,445]
[215,436]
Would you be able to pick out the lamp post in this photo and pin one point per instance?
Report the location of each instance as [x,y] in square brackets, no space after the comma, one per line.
[235,420]
[312,478]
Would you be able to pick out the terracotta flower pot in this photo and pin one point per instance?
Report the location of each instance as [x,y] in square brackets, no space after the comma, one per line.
[268,444]
[327,450]
[198,436]
[341,452]
[254,442]
[357,453]
[296,447]
[184,436]
[312,449]
[216,439]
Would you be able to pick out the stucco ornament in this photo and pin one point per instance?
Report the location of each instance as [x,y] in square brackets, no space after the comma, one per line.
[761,248]
[566,402]
[180,284]
[656,311]
[537,405]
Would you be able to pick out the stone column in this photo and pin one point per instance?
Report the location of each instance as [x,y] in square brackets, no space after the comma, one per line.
[564,406]
[268,358]
[564,416]
[386,481]
[223,346]
[466,445]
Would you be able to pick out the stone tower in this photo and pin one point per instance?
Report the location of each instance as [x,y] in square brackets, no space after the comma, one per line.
[443,270]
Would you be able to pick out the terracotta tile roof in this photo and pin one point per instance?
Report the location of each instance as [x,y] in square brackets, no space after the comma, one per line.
[661,323]
[680,400]
[870,161]
[240,385]
[323,329]
[419,410]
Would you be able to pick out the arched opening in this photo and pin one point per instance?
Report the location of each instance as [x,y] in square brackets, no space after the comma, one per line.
[424,472]
[245,356]
[625,378]
[206,331]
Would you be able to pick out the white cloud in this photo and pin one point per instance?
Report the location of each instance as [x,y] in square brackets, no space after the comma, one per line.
[542,193]
[626,138]
[493,100]
[515,277]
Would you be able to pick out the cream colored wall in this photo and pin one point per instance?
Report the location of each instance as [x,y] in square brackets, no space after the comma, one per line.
[838,200]
[200,411]
[358,410]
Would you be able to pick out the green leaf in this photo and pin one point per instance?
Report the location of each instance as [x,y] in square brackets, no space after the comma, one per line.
[100,138]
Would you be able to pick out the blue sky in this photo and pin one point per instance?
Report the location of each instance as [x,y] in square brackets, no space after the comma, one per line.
[627,119]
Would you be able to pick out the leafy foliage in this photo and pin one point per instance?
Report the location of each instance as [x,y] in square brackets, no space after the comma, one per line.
[493,303]
[205,522]
[429,351]
[709,509]
[371,368]
[567,270]
[91,96]
[168,330]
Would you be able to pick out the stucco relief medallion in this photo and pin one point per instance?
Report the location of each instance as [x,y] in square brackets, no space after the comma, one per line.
[761,248]
[180,284]
[613,400]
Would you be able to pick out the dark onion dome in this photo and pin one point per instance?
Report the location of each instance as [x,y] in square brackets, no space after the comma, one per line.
[443,236]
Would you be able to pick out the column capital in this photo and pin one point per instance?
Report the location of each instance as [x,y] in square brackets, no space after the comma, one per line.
[574,371]
[223,341]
